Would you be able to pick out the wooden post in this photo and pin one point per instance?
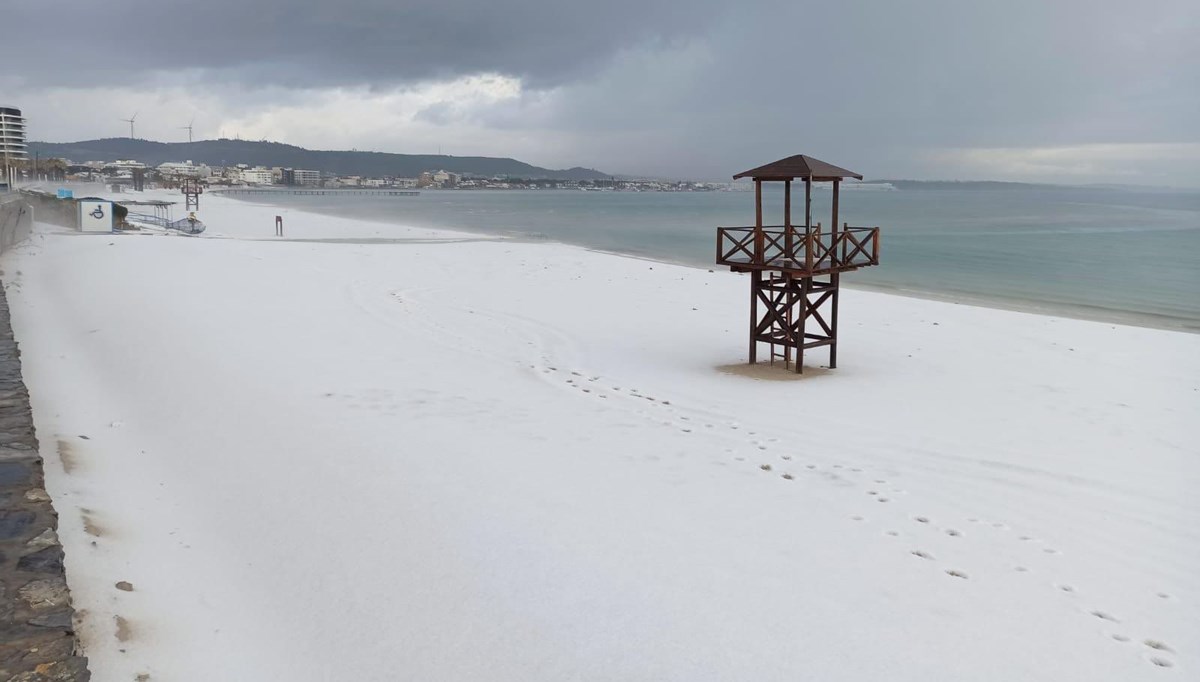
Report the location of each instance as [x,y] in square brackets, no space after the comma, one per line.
[808,202]
[845,231]
[755,285]
[805,283]
[835,279]
[834,237]
[789,251]
[811,238]
[758,223]
[789,301]
[807,219]
[278,226]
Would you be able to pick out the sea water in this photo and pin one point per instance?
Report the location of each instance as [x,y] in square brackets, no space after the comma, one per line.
[1111,254]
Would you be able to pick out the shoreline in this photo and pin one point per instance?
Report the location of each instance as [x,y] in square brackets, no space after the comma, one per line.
[1071,311]
[557,461]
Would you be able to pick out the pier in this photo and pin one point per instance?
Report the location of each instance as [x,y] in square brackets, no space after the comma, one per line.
[376,192]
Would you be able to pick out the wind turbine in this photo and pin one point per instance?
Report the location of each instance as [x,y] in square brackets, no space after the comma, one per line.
[188,128]
[130,121]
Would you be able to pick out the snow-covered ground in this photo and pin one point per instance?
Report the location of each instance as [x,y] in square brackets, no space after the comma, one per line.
[399,454]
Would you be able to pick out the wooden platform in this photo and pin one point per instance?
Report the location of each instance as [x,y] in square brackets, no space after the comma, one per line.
[798,251]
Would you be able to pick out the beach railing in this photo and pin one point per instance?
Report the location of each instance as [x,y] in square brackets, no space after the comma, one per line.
[801,249]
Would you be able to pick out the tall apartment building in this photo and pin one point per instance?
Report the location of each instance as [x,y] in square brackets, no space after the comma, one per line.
[307,178]
[12,140]
[293,177]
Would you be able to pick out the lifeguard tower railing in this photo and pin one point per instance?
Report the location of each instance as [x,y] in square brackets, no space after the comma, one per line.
[800,250]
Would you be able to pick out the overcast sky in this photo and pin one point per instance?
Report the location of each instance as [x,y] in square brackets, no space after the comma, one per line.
[1046,90]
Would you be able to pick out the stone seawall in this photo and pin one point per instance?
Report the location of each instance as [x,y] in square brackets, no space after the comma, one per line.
[37,633]
[16,220]
[51,209]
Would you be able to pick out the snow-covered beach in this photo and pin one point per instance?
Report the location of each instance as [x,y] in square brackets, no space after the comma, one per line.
[362,452]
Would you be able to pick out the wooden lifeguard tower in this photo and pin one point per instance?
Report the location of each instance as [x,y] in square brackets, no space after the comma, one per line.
[191,190]
[795,269]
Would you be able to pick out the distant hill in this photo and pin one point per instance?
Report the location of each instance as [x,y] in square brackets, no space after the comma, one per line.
[226,152]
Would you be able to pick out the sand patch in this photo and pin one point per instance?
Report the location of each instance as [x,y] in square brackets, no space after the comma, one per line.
[765,371]
[90,525]
[124,629]
[68,456]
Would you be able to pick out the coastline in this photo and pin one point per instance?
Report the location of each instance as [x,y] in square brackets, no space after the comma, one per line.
[446,457]
[1077,311]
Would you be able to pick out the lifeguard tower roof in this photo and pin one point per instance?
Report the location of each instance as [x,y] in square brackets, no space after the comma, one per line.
[798,166]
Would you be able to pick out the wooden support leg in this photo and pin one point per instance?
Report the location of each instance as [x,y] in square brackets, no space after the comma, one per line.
[788,301]
[833,322]
[800,338]
[755,285]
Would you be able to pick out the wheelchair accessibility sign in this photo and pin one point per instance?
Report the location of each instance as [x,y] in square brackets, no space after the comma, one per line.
[95,216]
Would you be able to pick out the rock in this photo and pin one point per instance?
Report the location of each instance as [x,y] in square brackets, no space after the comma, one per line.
[73,669]
[48,560]
[57,619]
[45,594]
[12,473]
[14,522]
[56,649]
[37,495]
[125,586]
[47,538]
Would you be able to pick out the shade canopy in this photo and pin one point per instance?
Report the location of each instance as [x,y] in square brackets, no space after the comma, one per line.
[798,166]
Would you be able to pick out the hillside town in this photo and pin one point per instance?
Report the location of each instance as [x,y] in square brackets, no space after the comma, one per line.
[133,174]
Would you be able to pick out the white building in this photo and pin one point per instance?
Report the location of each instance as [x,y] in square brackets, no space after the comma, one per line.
[184,170]
[446,178]
[256,176]
[12,134]
[12,142]
[307,178]
[125,164]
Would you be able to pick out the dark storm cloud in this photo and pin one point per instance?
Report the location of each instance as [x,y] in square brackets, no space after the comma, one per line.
[700,89]
[334,42]
[877,85]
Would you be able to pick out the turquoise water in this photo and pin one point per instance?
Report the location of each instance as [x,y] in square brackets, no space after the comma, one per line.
[1110,254]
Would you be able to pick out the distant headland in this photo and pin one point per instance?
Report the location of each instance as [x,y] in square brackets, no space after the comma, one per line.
[275,154]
